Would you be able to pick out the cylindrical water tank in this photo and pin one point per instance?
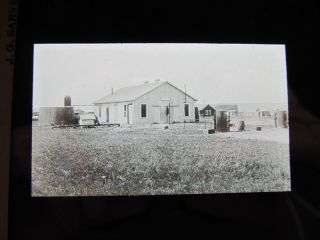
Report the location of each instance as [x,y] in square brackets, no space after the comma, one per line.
[67,101]
[56,116]
[222,123]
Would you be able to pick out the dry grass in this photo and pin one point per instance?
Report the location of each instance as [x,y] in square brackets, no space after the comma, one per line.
[72,162]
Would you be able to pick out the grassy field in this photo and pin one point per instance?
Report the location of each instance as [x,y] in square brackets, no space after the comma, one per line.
[136,161]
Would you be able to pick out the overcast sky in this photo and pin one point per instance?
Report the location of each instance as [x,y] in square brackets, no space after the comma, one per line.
[213,73]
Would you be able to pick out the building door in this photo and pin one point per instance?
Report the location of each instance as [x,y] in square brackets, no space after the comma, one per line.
[130,114]
[164,112]
[107,114]
[196,112]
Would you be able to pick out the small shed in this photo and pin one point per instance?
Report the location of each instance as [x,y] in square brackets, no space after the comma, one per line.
[88,119]
[231,109]
[206,111]
[210,109]
[264,113]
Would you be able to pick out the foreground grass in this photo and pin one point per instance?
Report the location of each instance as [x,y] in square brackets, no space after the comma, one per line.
[115,161]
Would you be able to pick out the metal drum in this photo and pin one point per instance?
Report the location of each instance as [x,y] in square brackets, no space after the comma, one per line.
[241,126]
[222,121]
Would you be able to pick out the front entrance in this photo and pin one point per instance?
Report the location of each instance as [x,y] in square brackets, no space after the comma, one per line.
[107,114]
[129,114]
[196,114]
[164,114]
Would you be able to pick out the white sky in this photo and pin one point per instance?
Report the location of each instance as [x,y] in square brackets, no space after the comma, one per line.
[213,73]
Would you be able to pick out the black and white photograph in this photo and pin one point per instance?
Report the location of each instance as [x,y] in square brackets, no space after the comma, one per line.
[159,119]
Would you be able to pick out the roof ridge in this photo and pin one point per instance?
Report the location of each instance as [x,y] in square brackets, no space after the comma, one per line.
[157,84]
[137,85]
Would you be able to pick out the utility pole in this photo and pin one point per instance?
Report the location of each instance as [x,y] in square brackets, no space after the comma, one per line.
[185,93]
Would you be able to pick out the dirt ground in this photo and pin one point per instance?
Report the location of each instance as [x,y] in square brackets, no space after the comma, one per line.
[280,135]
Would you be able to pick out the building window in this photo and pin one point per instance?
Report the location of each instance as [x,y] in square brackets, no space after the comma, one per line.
[186,110]
[143,110]
[208,112]
[99,111]
[107,114]
[124,110]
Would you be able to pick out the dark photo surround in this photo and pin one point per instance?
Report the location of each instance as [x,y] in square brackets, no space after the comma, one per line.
[293,214]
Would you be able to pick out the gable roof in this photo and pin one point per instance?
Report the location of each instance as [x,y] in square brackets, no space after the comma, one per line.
[131,93]
[201,106]
[225,107]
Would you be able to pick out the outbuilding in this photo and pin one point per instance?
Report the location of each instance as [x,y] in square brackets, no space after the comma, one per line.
[208,110]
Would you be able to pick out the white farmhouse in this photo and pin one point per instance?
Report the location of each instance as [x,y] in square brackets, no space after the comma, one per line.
[149,103]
